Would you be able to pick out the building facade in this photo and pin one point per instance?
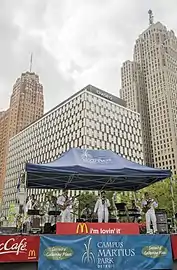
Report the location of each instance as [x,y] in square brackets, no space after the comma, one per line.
[26,103]
[133,92]
[26,106]
[153,93]
[91,118]
[4,129]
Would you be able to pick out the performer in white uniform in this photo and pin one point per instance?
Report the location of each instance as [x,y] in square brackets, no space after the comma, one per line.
[149,205]
[65,205]
[27,220]
[101,208]
[46,209]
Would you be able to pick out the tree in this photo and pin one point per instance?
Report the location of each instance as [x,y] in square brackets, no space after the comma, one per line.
[160,189]
[87,198]
[163,193]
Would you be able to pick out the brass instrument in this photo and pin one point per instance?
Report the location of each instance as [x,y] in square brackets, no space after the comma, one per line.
[68,202]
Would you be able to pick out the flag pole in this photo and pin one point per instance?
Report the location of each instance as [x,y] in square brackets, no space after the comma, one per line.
[31,62]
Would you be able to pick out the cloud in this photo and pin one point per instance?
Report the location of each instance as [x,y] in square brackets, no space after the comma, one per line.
[74,43]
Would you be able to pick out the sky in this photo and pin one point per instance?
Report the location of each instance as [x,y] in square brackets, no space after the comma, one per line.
[74,42]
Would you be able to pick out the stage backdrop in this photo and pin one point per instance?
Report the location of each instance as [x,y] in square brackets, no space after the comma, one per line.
[91,252]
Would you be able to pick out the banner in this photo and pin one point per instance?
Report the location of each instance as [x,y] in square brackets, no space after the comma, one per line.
[19,248]
[174,245]
[91,252]
[96,228]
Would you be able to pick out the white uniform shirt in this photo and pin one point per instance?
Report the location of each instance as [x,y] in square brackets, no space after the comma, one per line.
[154,204]
[99,206]
[28,205]
[61,201]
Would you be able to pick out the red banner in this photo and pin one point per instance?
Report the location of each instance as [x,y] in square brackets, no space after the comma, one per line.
[174,245]
[19,248]
[97,228]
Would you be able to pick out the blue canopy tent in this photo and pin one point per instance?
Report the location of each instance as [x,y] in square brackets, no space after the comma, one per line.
[87,169]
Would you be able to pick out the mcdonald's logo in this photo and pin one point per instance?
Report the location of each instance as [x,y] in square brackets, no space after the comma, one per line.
[82,228]
[32,253]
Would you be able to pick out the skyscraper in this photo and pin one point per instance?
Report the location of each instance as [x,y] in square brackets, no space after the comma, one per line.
[26,106]
[91,118]
[26,103]
[149,85]
[4,128]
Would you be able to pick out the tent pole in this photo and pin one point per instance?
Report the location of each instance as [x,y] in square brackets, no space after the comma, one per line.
[173,202]
[135,196]
[79,208]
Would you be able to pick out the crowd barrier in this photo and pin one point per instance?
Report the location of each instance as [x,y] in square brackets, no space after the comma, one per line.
[88,252]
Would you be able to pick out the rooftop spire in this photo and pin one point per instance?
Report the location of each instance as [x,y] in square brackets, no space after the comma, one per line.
[31,62]
[151,17]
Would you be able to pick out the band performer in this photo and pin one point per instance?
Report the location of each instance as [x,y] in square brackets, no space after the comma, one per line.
[86,213]
[35,203]
[148,207]
[101,208]
[28,219]
[137,213]
[65,205]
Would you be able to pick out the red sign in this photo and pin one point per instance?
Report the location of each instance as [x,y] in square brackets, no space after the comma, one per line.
[19,248]
[174,245]
[97,228]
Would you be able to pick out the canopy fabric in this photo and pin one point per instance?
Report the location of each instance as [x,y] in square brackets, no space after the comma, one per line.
[87,169]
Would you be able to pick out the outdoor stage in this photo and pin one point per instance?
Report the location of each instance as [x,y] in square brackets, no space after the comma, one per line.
[82,250]
[91,246]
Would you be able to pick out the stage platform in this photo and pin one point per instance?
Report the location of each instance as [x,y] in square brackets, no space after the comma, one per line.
[88,251]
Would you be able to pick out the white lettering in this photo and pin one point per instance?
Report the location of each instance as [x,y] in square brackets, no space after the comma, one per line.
[110,244]
[11,246]
[94,231]
[105,261]
[116,252]
[98,160]
[107,231]
[118,231]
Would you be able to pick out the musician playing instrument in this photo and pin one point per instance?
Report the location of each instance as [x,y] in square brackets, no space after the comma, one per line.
[86,213]
[53,207]
[27,218]
[137,209]
[65,204]
[101,208]
[34,203]
[46,209]
[148,207]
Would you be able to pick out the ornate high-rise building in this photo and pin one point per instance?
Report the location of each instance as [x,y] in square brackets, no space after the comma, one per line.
[4,129]
[26,106]
[26,103]
[149,86]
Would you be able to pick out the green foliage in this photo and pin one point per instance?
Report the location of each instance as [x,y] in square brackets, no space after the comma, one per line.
[161,190]
[87,198]
[163,193]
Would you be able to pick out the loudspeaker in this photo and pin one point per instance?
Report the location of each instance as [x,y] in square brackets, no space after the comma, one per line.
[8,230]
[36,222]
[47,228]
[162,228]
[161,216]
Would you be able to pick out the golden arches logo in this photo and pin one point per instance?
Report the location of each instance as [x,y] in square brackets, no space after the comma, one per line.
[82,228]
[32,253]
